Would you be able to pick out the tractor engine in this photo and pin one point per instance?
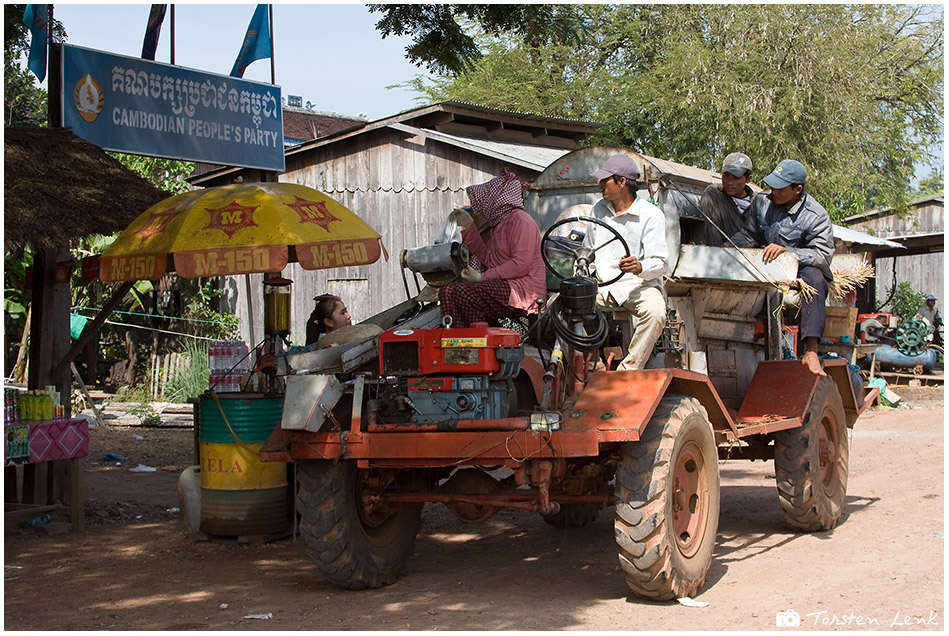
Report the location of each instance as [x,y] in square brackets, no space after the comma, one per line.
[440,376]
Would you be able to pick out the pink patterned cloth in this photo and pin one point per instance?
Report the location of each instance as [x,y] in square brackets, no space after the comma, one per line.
[512,254]
[498,197]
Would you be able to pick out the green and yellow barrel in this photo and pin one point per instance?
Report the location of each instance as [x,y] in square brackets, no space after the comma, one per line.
[240,495]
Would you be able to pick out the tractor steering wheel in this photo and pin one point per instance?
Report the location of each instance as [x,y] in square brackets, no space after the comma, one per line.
[571,246]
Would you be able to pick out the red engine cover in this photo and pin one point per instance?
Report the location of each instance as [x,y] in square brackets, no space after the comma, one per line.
[887,320]
[470,350]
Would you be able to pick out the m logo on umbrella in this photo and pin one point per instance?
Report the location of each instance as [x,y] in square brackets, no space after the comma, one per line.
[231,218]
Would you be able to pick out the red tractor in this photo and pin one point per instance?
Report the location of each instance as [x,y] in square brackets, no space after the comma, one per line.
[533,418]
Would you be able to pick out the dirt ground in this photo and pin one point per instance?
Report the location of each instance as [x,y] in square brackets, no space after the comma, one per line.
[134,569]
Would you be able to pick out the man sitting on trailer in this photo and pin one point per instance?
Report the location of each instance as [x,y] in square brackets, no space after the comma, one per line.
[788,219]
[724,205]
[643,226]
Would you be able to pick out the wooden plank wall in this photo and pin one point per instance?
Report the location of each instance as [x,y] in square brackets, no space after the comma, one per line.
[925,272]
[403,186]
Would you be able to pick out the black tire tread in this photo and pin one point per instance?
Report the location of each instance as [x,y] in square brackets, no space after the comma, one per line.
[645,551]
[806,505]
[328,525]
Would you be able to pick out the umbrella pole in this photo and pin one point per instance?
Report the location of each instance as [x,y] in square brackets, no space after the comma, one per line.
[250,310]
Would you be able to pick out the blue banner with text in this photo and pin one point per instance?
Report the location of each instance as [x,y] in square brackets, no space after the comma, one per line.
[141,107]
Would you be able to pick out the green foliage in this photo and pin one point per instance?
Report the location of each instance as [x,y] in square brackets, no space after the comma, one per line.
[192,379]
[167,174]
[933,184]
[199,306]
[905,300]
[855,92]
[24,103]
[146,414]
[439,40]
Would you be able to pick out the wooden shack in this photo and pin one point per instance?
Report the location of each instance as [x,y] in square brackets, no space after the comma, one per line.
[921,233]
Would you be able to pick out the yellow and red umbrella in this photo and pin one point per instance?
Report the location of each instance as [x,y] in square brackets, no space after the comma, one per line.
[240,229]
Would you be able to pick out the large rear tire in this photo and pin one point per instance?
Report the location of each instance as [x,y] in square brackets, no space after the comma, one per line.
[355,538]
[811,463]
[667,502]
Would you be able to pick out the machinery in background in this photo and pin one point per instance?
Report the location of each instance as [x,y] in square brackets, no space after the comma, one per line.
[904,344]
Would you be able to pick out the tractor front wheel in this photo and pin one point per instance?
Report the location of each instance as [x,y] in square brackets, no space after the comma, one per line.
[356,538]
[667,502]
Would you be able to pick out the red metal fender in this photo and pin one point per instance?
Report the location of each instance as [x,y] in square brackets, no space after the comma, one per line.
[535,372]
[783,389]
[619,404]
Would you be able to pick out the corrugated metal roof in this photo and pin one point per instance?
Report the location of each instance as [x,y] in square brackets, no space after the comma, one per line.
[853,236]
[533,157]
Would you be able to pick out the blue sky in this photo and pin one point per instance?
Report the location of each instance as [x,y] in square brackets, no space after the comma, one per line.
[329,54]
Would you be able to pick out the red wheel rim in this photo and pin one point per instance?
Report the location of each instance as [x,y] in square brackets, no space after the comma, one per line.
[827,443]
[690,499]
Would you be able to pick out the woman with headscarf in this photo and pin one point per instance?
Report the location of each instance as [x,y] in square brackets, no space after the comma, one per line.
[506,276]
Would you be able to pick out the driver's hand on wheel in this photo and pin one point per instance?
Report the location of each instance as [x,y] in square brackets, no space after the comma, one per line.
[630,265]
[471,275]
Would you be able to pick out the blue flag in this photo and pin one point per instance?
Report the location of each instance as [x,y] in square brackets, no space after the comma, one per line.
[35,18]
[256,43]
[152,30]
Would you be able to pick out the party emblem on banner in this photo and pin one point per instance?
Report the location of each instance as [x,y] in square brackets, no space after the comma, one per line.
[88,98]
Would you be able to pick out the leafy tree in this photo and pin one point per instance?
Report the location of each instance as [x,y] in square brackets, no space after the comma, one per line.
[441,43]
[904,300]
[167,174]
[24,103]
[855,92]
[933,184]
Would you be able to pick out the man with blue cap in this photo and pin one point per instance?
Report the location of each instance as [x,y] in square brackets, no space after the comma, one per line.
[788,219]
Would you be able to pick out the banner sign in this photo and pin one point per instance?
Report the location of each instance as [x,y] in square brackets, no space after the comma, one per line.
[137,106]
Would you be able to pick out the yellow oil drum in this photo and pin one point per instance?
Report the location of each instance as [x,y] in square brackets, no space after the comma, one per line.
[240,495]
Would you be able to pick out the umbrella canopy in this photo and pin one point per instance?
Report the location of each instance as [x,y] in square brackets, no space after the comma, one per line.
[240,229]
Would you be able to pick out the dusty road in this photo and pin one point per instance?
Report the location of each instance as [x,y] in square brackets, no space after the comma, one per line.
[881,568]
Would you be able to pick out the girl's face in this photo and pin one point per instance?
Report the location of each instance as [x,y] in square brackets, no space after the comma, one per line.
[339,317]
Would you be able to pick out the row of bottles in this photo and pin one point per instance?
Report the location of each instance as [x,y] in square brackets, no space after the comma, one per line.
[32,406]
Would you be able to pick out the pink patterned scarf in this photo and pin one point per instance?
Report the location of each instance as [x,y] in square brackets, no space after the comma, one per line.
[498,197]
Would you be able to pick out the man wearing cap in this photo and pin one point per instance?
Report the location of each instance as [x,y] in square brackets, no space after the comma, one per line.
[724,205]
[930,313]
[788,219]
[643,226]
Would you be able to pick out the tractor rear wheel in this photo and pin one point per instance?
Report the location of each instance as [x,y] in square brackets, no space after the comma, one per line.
[811,463]
[355,537]
[667,502]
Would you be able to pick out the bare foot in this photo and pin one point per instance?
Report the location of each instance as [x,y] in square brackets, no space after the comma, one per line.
[812,362]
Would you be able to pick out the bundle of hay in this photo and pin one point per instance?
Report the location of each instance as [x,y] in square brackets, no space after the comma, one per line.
[849,277]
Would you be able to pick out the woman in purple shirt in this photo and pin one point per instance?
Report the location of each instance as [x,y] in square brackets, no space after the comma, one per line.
[507,275]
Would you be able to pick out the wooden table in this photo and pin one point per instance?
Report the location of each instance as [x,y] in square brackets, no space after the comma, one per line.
[40,446]
[848,350]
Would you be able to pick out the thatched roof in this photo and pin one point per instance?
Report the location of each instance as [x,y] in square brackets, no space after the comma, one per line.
[57,186]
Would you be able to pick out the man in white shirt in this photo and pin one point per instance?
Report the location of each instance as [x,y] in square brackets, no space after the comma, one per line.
[643,226]
[931,314]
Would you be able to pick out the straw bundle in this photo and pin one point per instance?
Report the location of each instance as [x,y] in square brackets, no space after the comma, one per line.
[847,280]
